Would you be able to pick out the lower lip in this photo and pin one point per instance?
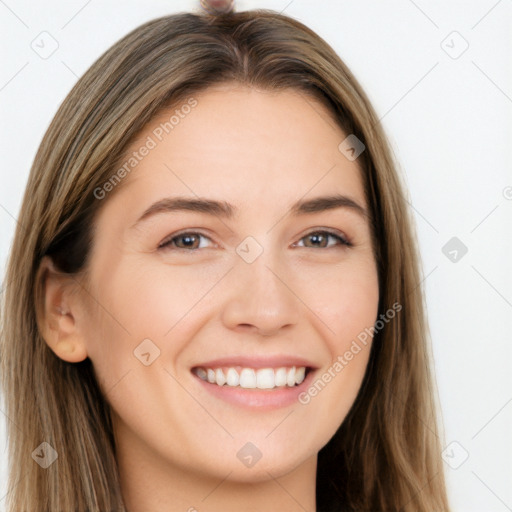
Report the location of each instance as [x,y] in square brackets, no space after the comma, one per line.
[260,399]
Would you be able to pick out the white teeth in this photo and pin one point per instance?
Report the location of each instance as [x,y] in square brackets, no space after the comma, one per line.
[232,377]
[280,377]
[219,376]
[290,377]
[300,373]
[248,378]
[265,378]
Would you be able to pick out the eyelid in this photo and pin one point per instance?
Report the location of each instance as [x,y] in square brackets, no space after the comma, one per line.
[336,233]
[343,239]
[190,231]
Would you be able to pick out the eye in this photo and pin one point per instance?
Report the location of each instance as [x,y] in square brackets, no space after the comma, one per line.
[186,240]
[190,240]
[320,239]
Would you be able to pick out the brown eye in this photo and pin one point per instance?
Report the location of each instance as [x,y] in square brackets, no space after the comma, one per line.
[320,239]
[188,240]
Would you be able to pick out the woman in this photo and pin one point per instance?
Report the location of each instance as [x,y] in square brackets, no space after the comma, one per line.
[281,362]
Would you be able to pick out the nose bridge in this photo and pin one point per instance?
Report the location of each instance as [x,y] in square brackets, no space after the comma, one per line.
[260,296]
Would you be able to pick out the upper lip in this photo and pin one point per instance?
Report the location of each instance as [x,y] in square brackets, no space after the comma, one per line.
[257,362]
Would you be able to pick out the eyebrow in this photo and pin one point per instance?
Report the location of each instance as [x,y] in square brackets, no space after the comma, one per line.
[228,211]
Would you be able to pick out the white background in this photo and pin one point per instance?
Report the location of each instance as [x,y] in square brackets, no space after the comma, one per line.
[449,120]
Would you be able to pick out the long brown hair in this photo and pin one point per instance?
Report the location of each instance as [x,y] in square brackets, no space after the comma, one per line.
[386,454]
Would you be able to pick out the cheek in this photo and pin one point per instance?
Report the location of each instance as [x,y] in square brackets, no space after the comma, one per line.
[137,302]
[156,295]
[346,299]
[140,301]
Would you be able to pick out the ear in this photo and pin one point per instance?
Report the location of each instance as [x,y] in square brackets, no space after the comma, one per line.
[59,312]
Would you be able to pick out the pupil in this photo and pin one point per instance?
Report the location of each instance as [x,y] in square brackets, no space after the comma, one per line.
[317,238]
[189,240]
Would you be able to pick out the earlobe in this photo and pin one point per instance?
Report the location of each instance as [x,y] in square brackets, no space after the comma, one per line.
[58,313]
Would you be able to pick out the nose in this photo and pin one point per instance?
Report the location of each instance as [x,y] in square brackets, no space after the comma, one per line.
[260,299]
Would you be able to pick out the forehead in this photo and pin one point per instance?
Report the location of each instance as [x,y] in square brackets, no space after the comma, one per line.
[242,145]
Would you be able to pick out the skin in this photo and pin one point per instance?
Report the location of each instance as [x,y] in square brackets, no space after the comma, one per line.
[260,151]
[214,6]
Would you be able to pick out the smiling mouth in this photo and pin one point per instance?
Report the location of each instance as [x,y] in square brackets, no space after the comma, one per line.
[251,378]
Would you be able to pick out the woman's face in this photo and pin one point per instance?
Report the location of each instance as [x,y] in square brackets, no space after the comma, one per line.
[234,278]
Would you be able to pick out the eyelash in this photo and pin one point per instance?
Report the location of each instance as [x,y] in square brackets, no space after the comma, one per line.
[166,244]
